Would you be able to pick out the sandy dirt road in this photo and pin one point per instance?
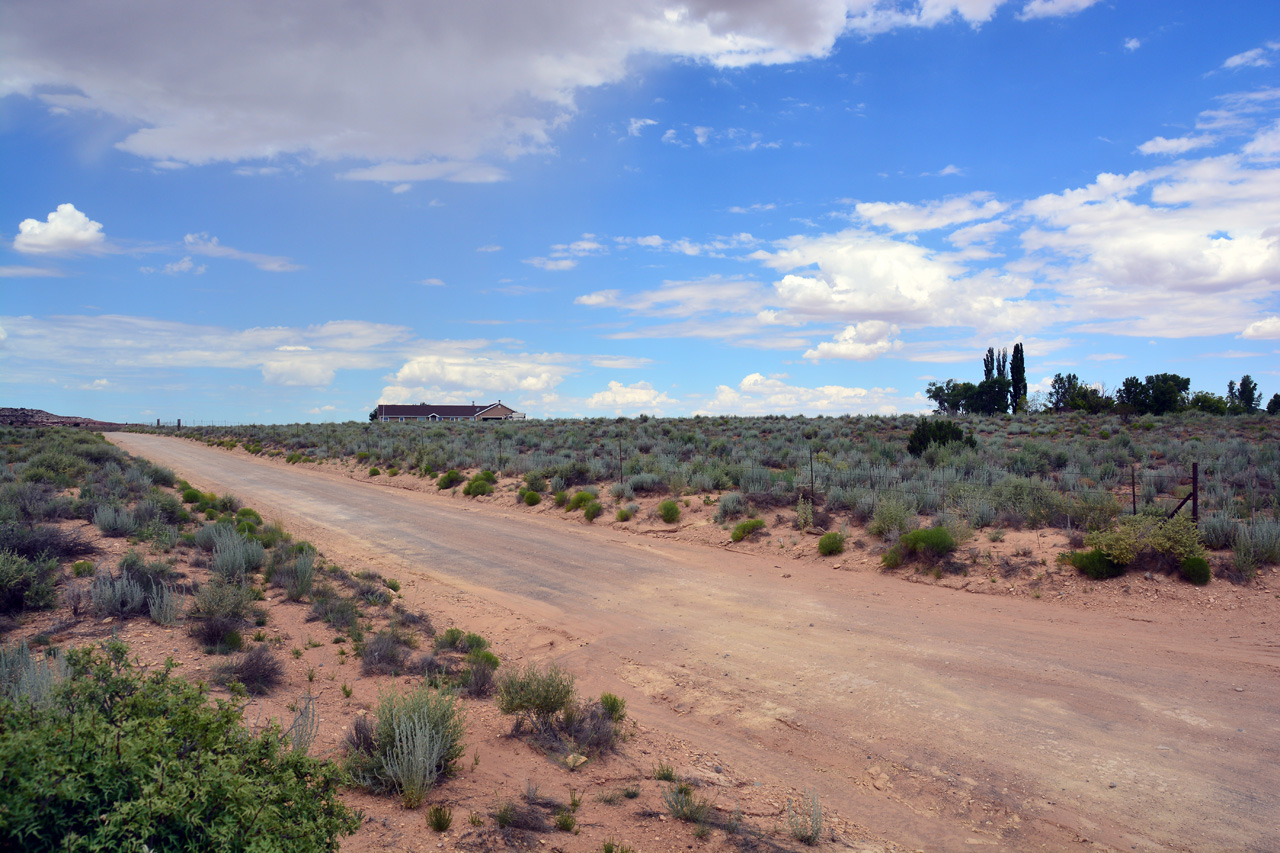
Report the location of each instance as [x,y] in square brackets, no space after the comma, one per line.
[938,719]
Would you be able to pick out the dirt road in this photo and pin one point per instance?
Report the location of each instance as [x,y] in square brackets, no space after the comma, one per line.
[939,719]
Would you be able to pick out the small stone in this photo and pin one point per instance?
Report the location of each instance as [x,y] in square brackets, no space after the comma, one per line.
[1112,785]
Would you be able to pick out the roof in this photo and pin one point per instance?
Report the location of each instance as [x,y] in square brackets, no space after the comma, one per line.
[441,411]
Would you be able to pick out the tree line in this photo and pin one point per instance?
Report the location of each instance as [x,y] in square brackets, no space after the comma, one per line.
[1003,389]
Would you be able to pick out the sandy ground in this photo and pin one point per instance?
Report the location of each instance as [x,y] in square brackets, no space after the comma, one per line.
[1019,707]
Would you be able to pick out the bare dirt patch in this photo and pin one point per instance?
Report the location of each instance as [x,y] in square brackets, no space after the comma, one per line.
[1038,710]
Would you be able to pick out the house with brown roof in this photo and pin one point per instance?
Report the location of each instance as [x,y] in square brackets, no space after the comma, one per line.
[389,413]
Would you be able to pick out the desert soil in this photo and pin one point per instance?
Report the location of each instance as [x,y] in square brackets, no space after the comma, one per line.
[1007,709]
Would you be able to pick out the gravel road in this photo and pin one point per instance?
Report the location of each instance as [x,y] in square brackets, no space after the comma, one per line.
[936,718]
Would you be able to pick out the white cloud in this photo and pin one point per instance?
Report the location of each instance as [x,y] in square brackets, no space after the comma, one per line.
[401,188]
[682,298]
[456,171]
[66,230]
[1132,44]
[903,217]
[758,394]
[1265,145]
[185,265]
[619,362]
[702,134]
[1053,8]
[432,282]
[670,137]
[638,124]
[859,342]
[203,244]
[754,208]
[1267,328]
[29,272]
[1259,57]
[641,396]
[949,170]
[552,264]
[320,410]
[1106,356]
[1178,145]
[473,371]
[492,247]
[982,233]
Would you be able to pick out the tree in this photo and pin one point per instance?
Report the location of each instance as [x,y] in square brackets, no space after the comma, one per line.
[1068,393]
[1247,395]
[935,431]
[1207,401]
[1133,393]
[373,416]
[989,365]
[1061,390]
[950,396]
[1273,407]
[1018,376]
[1166,393]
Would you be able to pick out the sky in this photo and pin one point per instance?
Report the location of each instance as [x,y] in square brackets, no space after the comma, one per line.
[251,212]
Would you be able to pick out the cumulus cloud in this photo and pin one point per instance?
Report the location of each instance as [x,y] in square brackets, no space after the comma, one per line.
[1267,328]
[1132,44]
[467,371]
[903,217]
[1053,8]
[641,396]
[758,394]
[64,231]
[1178,145]
[859,342]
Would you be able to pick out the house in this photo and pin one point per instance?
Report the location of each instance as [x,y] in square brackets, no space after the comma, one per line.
[387,413]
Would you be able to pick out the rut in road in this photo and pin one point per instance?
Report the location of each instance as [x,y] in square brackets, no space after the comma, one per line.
[987,720]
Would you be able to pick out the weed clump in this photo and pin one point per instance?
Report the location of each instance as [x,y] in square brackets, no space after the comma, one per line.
[669,511]
[746,528]
[929,544]
[831,543]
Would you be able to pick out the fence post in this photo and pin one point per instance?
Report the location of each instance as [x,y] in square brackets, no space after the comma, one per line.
[1195,492]
[1133,486]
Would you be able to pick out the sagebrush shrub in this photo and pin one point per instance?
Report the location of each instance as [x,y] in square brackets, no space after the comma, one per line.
[258,670]
[891,516]
[731,506]
[536,696]
[26,584]
[417,738]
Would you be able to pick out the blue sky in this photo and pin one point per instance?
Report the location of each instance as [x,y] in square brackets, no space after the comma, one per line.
[254,212]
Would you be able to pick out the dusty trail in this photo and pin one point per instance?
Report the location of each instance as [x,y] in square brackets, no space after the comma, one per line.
[939,719]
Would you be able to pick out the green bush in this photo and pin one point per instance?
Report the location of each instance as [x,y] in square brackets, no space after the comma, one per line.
[1096,564]
[449,479]
[929,544]
[831,543]
[127,761]
[374,472]
[26,584]
[1148,538]
[1196,570]
[536,696]
[592,510]
[731,506]
[936,431]
[746,528]
[191,496]
[534,482]
[477,487]
[449,638]
[418,737]
[532,498]
[615,706]
[623,515]
[578,501]
[561,497]
[891,516]
[670,511]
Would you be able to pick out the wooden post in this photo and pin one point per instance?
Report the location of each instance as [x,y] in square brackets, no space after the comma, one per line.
[812,494]
[1133,487]
[1195,492]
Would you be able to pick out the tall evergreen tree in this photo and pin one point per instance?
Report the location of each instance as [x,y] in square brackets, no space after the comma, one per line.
[1018,375]
[1002,364]
[989,365]
[1247,395]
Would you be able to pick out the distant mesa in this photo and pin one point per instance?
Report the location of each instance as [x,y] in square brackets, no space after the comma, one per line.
[39,417]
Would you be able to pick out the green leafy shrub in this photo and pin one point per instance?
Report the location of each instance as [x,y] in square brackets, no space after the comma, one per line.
[534,482]
[1163,543]
[831,543]
[123,760]
[683,804]
[449,638]
[561,497]
[26,584]
[929,544]
[746,528]
[937,431]
[615,706]
[374,472]
[623,514]
[1096,564]
[440,818]
[449,479]
[579,500]
[536,696]
[1196,570]
[477,487]
[669,511]
[532,498]
[592,510]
